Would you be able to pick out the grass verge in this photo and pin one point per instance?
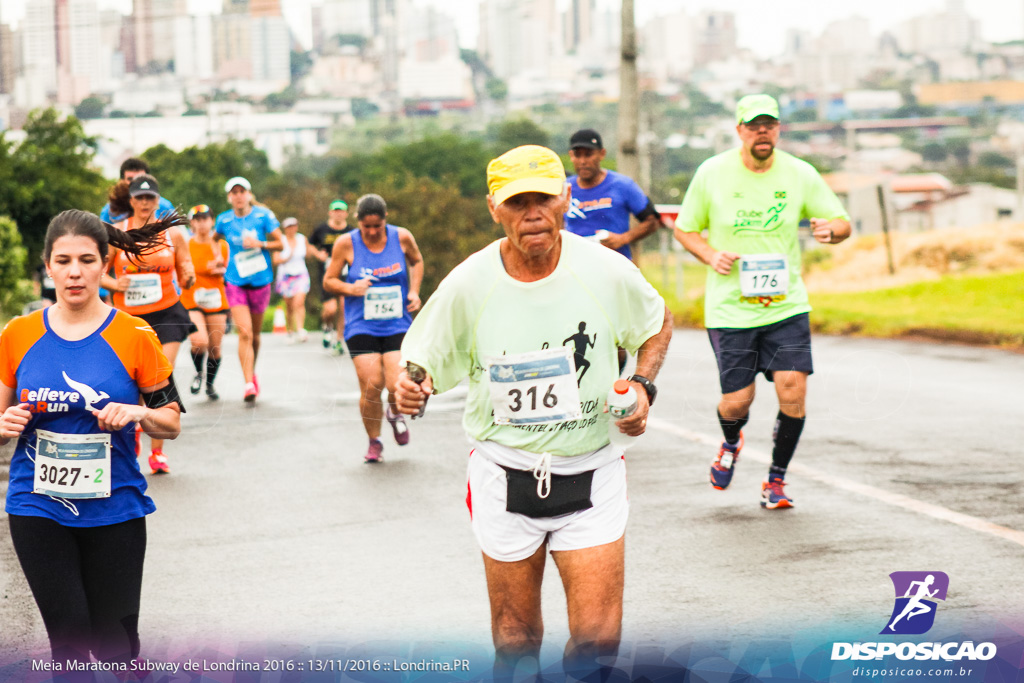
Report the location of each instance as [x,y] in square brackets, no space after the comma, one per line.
[965,309]
[976,309]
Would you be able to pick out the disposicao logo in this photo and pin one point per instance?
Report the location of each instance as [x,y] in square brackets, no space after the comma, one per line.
[917,598]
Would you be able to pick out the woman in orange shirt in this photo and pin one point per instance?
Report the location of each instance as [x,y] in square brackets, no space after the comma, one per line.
[206,302]
[148,287]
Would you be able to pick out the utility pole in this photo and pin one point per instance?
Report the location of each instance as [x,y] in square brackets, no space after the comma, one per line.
[629,96]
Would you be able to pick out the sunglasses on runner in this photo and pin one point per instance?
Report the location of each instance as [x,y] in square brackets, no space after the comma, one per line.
[198,211]
[754,126]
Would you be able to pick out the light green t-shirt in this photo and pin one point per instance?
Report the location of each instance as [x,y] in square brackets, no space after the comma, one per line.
[594,302]
[754,213]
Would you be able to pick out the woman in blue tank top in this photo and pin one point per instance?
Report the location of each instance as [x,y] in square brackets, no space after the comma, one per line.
[381,290]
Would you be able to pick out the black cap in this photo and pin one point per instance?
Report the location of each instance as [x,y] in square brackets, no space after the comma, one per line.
[588,138]
[143,184]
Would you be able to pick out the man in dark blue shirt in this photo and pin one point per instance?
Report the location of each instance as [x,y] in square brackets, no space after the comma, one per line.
[603,200]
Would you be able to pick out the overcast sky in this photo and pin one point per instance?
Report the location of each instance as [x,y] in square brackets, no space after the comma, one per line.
[761,24]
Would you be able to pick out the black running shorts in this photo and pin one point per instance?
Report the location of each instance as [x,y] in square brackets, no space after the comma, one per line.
[359,344]
[744,352]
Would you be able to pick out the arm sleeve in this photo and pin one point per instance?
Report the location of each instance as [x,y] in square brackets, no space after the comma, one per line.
[649,210]
[441,337]
[693,215]
[641,310]
[151,365]
[820,201]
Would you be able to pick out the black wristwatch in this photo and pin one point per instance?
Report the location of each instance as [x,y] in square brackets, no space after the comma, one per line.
[648,385]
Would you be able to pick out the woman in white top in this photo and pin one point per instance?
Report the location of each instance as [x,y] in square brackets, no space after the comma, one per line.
[293,277]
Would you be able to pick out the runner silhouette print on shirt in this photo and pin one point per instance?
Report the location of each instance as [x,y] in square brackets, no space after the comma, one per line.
[581,340]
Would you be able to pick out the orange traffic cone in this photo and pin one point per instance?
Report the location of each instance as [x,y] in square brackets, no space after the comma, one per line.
[280,324]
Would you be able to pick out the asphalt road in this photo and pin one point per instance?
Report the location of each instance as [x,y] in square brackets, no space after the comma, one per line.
[271,529]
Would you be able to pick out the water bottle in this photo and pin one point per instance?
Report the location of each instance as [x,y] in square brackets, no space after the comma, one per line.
[621,403]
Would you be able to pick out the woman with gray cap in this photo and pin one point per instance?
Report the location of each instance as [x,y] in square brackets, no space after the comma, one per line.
[148,286]
[293,279]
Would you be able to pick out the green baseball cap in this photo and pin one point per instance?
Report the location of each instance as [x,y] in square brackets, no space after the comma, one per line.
[338,204]
[752,106]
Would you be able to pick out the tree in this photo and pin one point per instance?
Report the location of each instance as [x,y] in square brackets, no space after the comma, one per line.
[497,89]
[300,63]
[960,149]
[685,159]
[12,268]
[802,115]
[447,226]
[934,151]
[516,132]
[196,175]
[356,40]
[474,62]
[49,172]
[995,160]
[445,158]
[363,108]
[282,101]
[90,108]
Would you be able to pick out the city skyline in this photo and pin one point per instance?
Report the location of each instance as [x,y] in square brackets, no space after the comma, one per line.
[760,28]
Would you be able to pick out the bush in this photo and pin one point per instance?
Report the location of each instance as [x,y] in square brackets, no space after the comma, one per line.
[14,291]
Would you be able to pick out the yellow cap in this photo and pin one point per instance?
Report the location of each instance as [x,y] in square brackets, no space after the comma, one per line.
[530,168]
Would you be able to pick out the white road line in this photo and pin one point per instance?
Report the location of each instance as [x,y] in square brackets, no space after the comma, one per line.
[899,500]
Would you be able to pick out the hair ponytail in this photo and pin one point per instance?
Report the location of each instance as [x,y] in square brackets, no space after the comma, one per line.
[120,200]
[144,240]
[134,243]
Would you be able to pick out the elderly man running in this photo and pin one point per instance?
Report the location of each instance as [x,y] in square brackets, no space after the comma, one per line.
[542,473]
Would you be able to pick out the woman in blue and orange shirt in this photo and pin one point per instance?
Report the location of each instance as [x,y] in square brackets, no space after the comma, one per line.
[150,287]
[75,379]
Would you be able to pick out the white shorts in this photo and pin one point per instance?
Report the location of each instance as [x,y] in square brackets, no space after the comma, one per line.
[510,537]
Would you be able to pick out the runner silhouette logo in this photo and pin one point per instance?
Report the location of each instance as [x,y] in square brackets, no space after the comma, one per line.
[917,596]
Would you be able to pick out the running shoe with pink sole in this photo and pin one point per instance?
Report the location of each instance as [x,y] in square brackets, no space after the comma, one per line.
[375,453]
[398,426]
[158,463]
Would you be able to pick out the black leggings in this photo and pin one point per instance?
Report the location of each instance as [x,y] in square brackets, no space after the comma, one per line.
[87,582]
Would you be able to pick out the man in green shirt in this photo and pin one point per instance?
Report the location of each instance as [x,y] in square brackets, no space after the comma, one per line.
[751,201]
[543,475]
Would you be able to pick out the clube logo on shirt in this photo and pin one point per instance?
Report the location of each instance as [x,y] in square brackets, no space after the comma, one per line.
[754,220]
[49,400]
